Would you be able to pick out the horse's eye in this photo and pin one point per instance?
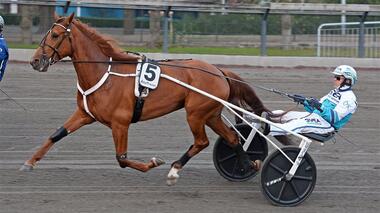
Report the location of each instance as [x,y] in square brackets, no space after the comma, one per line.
[54,35]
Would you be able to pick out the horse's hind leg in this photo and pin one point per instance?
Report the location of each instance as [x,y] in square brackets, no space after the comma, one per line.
[78,119]
[217,125]
[197,126]
[120,136]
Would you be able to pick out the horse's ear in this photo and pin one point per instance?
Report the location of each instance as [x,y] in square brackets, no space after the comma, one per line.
[70,18]
[56,16]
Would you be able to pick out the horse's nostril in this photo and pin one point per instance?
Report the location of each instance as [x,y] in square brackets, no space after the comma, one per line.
[34,62]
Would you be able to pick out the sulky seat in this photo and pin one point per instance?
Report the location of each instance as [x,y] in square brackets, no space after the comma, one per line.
[319,137]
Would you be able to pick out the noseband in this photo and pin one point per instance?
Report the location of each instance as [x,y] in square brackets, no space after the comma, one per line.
[66,34]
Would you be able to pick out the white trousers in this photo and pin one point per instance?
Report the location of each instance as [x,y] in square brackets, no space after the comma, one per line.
[301,122]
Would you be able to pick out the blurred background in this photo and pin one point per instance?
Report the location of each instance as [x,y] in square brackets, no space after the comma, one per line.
[236,27]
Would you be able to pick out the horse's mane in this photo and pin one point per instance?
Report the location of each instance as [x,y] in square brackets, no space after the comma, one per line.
[108,45]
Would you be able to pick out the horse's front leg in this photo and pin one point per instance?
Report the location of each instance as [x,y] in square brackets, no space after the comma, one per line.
[120,137]
[78,119]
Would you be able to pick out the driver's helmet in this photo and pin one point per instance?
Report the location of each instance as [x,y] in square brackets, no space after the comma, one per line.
[348,72]
[1,23]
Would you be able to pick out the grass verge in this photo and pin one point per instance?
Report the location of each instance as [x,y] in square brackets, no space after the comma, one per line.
[204,50]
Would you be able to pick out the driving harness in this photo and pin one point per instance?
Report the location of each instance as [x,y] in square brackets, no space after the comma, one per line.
[140,91]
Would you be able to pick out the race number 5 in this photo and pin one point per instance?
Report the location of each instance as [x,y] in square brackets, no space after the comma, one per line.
[150,75]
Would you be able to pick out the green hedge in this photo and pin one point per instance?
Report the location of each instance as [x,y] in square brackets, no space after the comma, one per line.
[15,19]
[102,22]
[206,24]
[111,22]
[250,24]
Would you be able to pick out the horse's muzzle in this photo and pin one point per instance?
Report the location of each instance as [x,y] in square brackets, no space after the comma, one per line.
[40,64]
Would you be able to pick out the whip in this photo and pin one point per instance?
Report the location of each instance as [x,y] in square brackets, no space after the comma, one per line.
[14,101]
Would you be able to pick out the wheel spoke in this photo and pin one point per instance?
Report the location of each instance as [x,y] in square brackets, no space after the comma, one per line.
[288,192]
[234,169]
[255,152]
[281,190]
[276,168]
[308,168]
[295,189]
[302,161]
[227,158]
[302,177]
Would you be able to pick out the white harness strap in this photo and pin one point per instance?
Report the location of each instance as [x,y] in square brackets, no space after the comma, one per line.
[98,85]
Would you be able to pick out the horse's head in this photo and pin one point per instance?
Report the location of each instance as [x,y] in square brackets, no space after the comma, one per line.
[55,45]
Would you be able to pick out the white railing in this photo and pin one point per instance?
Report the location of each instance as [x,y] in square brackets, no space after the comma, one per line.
[342,39]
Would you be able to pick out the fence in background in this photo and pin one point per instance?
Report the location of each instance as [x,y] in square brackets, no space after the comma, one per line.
[347,40]
[154,24]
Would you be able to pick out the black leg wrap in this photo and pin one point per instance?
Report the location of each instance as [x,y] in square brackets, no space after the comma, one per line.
[59,134]
[243,158]
[184,159]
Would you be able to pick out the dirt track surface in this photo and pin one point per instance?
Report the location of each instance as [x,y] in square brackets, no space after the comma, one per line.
[80,173]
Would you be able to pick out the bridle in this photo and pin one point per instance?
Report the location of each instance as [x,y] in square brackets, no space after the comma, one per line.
[43,43]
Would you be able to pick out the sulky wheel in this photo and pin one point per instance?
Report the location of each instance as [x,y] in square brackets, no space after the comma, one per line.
[225,160]
[291,192]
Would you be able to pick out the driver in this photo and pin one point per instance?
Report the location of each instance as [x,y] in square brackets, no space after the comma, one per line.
[3,50]
[323,116]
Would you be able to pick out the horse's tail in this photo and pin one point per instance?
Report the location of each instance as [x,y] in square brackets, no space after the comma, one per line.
[243,95]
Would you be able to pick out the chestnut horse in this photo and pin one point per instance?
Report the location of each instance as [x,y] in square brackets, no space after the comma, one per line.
[113,103]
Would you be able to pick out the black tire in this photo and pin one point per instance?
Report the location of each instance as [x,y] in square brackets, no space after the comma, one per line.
[288,192]
[225,160]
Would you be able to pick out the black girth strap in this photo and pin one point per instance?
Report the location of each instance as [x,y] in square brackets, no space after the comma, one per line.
[138,109]
[139,100]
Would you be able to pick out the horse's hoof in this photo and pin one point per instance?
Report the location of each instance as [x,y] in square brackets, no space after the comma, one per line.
[26,168]
[171,181]
[157,161]
[172,176]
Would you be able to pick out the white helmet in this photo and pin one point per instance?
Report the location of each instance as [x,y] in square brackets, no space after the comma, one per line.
[348,72]
[1,23]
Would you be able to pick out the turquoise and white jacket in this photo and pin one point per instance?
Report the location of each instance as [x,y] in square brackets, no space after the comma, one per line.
[337,106]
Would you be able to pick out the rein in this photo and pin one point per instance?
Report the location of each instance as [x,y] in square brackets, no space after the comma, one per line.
[273,90]
[67,34]
[289,96]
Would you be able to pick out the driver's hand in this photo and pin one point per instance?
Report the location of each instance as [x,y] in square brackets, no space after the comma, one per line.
[313,102]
